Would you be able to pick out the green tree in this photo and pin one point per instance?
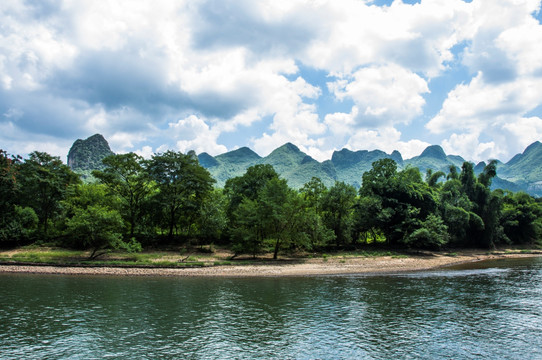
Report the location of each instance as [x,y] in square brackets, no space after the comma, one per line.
[126,178]
[248,230]
[247,186]
[8,184]
[19,226]
[96,227]
[468,180]
[433,179]
[281,210]
[319,235]
[521,218]
[398,202]
[313,192]
[486,176]
[183,185]
[213,219]
[432,234]
[45,181]
[452,173]
[488,206]
[338,209]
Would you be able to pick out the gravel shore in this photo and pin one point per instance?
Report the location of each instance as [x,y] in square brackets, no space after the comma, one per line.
[361,265]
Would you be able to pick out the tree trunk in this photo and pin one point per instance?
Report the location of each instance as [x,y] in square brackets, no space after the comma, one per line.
[276,252]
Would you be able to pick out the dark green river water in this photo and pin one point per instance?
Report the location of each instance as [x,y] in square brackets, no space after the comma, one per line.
[493,311]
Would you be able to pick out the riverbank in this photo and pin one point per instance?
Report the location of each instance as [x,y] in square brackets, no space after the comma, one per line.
[304,267]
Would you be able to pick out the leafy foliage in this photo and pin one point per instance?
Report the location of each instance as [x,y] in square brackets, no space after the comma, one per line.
[183,185]
[171,197]
[125,177]
[96,227]
[44,182]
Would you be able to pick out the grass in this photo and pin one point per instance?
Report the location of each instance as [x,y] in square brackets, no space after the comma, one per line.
[35,254]
[178,258]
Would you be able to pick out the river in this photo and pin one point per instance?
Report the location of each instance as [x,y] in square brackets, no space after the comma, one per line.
[492,310]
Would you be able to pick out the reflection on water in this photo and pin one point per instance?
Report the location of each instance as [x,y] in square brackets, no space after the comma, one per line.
[491,312]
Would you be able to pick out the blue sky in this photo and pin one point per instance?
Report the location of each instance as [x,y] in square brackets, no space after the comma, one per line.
[215,75]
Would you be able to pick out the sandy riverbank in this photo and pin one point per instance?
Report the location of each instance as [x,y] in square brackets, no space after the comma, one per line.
[360,265]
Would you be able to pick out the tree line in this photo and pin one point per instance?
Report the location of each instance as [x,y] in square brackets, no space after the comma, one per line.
[170,199]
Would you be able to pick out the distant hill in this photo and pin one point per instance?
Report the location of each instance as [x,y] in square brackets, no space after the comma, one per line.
[434,158]
[228,165]
[351,165]
[525,169]
[522,172]
[86,155]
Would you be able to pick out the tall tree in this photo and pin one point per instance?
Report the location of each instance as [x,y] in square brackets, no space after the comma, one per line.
[44,183]
[17,223]
[182,183]
[281,209]
[522,218]
[338,208]
[313,193]
[8,185]
[399,201]
[125,177]
[247,186]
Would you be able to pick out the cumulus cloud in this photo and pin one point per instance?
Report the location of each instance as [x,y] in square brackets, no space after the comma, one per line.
[387,139]
[469,143]
[417,37]
[162,74]
[293,120]
[383,95]
[507,85]
[193,133]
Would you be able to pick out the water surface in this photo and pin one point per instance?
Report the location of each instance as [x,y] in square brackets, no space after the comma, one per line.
[488,311]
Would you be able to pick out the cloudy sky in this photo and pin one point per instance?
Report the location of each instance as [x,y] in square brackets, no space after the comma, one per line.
[215,75]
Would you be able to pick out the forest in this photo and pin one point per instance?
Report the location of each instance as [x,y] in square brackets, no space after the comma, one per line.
[170,199]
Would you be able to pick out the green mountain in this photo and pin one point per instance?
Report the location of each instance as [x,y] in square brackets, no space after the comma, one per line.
[86,155]
[299,168]
[525,169]
[228,165]
[350,165]
[434,158]
[522,172]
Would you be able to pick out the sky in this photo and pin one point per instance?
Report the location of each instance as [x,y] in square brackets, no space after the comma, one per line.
[216,75]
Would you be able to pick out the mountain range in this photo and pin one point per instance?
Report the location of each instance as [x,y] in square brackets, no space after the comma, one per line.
[522,172]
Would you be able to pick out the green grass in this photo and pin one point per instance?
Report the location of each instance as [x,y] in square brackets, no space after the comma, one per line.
[218,263]
[51,256]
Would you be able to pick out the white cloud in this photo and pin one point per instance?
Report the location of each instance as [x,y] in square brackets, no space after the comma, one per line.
[127,69]
[386,139]
[470,144]
[523,133]
[479,104]
[342,124]
[504,55]
[193,133]
[293,120]
[384,95]
[146,152]
[418,37]
[16,142]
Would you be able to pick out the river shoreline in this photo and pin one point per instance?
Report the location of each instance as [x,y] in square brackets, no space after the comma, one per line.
[308,267]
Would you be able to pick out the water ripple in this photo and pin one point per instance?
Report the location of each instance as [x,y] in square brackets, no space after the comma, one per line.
[491,312]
